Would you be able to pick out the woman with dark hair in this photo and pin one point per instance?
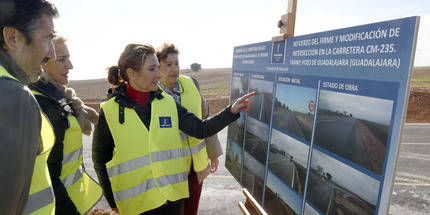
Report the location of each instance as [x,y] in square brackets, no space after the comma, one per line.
[138,152]
[185,90]
[75,191]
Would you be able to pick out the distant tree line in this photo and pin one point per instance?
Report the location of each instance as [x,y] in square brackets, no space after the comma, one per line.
[195,67]
[280,106]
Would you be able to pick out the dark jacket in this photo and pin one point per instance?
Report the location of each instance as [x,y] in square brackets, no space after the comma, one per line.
[103,143]
[57,108]
[20,123]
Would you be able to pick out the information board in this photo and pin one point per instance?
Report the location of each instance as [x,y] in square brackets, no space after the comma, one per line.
[322,135]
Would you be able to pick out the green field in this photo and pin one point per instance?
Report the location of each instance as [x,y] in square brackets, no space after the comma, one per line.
[420,77]
[214,83]
[216,89]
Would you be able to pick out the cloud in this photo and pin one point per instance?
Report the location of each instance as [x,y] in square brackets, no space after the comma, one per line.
[261,85]
[363,107]
[422,54]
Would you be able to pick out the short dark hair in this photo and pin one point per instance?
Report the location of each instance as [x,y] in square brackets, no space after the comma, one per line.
[24,15]
[164,50]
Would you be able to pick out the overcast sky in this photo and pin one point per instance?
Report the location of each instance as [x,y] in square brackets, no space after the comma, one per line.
[295,97]
[353,180]
[293,147]
[237,83]
[368,108]
[206,31]
[263,86]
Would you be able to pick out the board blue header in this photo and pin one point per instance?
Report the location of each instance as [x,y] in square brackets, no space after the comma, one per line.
[374,51]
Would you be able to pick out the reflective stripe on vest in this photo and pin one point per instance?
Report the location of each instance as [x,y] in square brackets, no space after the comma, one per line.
[195,149]
[81,188]
[172,179]
[72,156]
[84,191]
[198,148]
[70,180]
[144,161]
[134,191]
[148,167]
[149,184]
[128,166]
[192,101]
[41,199]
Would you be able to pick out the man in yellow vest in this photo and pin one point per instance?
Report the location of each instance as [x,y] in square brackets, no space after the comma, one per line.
[26,30]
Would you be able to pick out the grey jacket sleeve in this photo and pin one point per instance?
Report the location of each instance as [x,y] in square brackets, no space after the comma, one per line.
[213,146]
[20,124]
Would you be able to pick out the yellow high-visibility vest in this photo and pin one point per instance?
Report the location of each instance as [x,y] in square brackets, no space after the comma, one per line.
[192,101]
[41,200]
[81,188]
[148,166]
[84,191]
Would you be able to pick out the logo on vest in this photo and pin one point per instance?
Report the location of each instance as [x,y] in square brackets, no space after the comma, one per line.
[165,122]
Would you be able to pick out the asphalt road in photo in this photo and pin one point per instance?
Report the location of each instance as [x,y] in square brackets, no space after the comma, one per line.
[411,192]
[340,136]
[288,122]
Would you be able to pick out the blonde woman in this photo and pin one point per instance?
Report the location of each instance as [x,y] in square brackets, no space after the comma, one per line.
[75,191]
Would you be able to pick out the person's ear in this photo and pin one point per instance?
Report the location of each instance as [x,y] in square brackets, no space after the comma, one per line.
[12,38]
[131,74]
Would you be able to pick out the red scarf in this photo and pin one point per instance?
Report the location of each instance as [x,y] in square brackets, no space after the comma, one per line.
[139,97]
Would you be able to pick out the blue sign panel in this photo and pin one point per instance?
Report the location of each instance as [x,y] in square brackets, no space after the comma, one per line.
[323,134]
[278,52]
[165,122]
[252,58]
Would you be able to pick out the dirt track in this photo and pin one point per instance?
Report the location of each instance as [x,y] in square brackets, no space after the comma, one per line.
[419,106]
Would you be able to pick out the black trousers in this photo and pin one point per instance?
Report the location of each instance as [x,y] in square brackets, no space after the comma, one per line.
[169,208]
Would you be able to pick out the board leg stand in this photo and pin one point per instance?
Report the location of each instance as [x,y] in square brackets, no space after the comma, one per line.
[251,206]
